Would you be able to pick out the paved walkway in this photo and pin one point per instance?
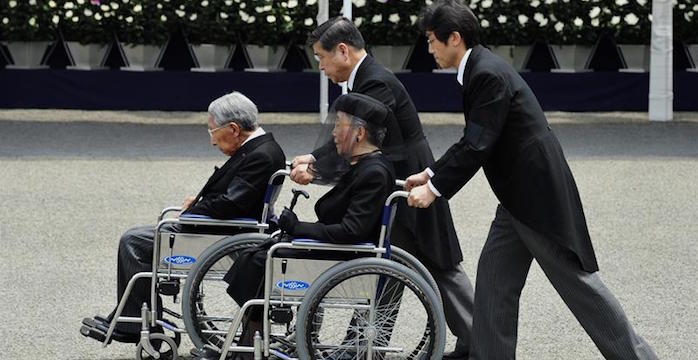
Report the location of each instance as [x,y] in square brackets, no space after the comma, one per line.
[71,183]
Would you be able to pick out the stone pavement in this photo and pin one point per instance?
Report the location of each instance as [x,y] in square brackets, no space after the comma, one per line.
[71,182]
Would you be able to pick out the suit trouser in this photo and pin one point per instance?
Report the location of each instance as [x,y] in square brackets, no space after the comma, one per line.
[135,255]
[454,285]
[502,270]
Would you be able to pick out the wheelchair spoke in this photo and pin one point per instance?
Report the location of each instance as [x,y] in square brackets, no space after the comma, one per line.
[397,329]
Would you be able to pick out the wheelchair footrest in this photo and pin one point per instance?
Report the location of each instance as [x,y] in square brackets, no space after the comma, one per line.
[93,333]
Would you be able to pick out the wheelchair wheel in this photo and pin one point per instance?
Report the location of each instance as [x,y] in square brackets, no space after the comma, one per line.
[354,311]
[207,310]
[163,344]
[403,257]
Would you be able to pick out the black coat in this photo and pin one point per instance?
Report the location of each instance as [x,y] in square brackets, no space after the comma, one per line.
[437,242]
[507,134]
[237,189]
[349,213]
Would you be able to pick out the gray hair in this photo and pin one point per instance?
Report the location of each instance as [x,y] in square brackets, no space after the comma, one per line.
[234,107]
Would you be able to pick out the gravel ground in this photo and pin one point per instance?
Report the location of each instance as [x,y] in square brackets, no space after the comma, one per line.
[71,182]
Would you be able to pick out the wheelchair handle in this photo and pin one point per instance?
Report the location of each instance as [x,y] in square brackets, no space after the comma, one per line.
[395,195]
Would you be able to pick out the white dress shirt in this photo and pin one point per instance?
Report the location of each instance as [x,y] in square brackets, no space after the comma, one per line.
[257,133]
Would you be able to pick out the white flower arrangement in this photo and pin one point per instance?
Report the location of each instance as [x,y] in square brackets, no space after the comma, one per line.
[381,21]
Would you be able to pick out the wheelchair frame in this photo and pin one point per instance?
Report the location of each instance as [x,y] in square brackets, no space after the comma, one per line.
[148,316]
[262,345]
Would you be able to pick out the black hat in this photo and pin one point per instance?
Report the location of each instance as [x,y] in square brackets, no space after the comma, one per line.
[363,107]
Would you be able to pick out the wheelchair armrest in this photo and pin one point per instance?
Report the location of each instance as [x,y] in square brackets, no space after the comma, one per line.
[317,244]
[168,210]
[194,219]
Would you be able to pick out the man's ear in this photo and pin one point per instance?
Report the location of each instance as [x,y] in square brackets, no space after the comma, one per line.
[343,49]
[455,39]
[236,128]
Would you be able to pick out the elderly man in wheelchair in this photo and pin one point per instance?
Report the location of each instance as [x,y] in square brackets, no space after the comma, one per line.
[235,190]
[350,309]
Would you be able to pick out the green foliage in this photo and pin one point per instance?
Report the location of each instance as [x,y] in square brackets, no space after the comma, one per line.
[25,20]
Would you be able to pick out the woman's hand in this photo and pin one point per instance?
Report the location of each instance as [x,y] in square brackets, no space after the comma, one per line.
[288,221]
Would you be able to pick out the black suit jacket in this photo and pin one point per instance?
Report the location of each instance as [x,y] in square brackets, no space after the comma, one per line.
[237,189]
[431,228]
[507,134]
[351,211]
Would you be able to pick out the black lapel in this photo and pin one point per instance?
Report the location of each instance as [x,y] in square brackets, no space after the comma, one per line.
[472,59]
[362,72]
[235,159]
[467,74]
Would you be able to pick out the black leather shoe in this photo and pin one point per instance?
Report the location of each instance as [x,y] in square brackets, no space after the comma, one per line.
[461,352]
[97,329]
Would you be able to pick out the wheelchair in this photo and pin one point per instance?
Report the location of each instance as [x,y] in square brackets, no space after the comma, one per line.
[382,304]
[174,254]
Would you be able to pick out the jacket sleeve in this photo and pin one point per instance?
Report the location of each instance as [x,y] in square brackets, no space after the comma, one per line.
[324,150]
[363,213]
[488,106]
[245,188]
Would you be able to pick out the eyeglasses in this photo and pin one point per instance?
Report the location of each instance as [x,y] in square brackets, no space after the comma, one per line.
[211,131]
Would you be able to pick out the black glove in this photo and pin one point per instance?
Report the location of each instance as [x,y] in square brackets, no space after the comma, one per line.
[288,221]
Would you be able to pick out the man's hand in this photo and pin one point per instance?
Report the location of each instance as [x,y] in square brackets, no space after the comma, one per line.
[302,159]
[421,197]
[301,175]
[188,201]
[418,179]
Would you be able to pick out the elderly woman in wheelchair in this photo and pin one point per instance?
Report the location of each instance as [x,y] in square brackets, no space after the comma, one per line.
[351,309]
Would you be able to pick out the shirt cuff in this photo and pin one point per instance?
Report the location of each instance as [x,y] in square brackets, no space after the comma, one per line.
[433,188]
[313,157]
[430,172]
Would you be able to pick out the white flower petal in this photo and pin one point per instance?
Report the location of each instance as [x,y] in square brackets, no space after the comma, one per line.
[523,19]
[631,19]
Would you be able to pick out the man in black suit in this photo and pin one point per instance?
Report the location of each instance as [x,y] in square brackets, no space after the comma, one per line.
[428,234]
[540,214]
[236,190]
